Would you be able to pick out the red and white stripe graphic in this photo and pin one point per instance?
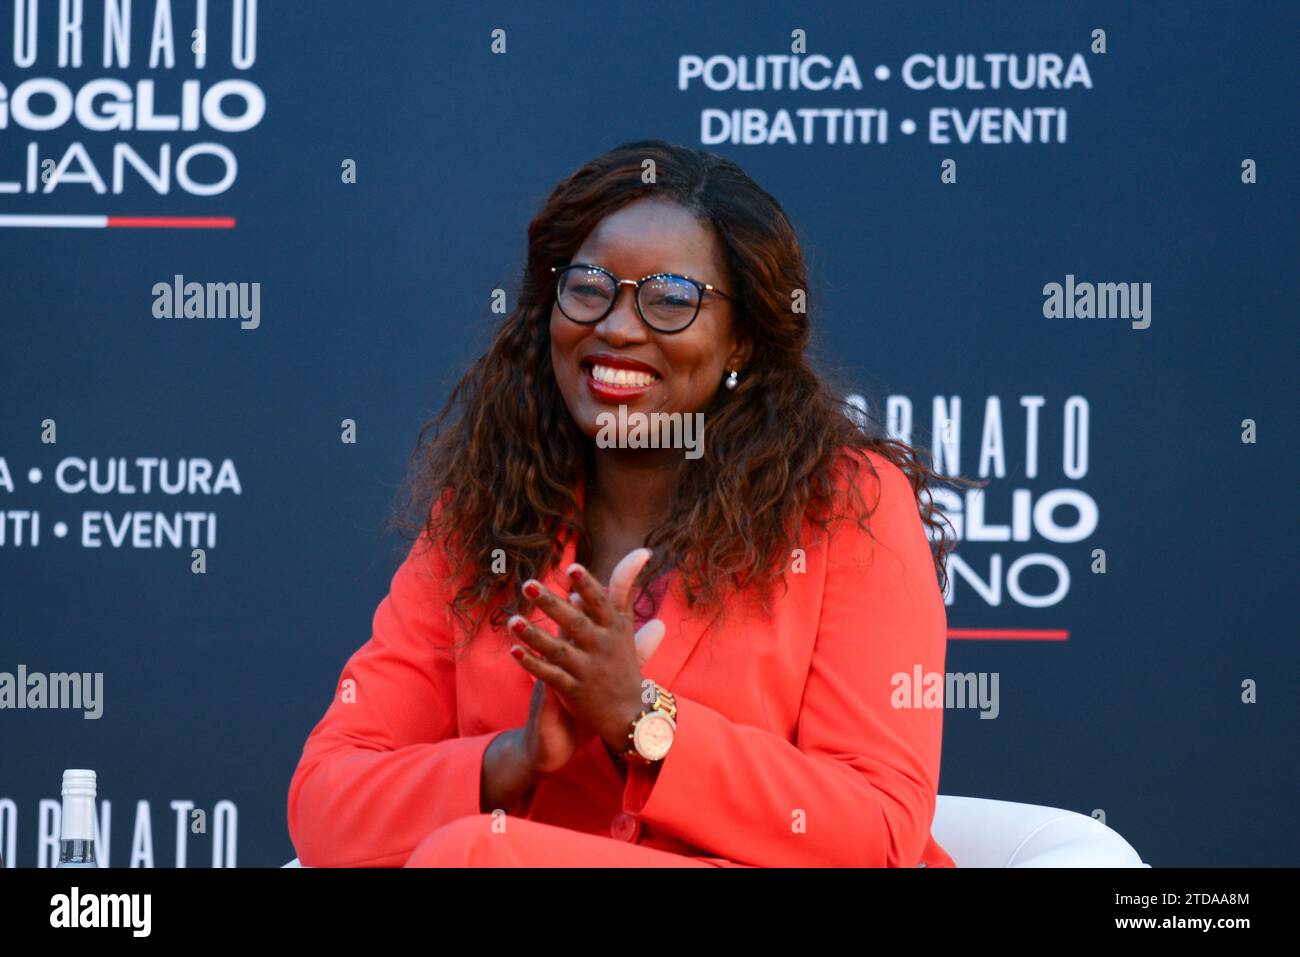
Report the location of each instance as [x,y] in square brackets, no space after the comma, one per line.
[115,222]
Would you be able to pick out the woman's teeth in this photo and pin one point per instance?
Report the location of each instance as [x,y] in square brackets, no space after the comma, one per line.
[625,377]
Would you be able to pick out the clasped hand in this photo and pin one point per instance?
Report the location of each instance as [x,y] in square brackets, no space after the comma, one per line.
[590,673]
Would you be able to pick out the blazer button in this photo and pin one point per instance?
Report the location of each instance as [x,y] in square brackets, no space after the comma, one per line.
[624,827]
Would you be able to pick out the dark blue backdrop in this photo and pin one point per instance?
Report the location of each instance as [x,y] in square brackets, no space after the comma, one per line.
[376,294]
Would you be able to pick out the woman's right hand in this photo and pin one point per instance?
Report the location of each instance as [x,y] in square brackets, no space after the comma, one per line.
[551,735]
[516,759]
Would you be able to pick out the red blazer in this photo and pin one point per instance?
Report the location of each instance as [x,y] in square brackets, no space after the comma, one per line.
[789,750]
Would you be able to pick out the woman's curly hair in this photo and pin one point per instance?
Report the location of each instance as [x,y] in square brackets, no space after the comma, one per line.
[499,467]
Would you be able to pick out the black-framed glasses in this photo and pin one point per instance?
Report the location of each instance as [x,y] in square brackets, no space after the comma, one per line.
[665,301]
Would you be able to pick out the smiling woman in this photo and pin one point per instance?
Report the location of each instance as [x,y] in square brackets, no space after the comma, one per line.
[602,654]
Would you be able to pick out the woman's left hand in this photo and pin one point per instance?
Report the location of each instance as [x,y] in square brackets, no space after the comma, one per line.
[595,664]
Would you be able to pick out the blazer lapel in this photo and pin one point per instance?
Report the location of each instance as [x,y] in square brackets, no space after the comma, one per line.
[683,633]
[555,579]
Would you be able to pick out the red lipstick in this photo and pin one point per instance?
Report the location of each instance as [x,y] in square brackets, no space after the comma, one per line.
[617,393]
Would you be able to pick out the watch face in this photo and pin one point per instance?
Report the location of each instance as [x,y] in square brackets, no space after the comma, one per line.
[654,735]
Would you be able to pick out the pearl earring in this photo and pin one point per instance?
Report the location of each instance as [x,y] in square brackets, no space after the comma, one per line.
[732,380]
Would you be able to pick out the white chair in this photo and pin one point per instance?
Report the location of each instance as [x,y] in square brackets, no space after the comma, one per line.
[978,832]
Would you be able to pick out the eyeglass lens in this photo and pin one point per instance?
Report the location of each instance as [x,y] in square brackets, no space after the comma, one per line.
[668,304]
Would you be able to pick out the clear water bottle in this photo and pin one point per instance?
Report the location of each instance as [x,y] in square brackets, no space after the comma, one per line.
[77,837]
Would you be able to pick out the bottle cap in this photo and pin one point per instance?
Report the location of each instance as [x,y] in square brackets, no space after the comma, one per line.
[78,782]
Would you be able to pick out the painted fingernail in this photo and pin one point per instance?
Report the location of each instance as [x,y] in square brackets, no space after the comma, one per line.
[517,652]
[518,625]
[532,589]
[575,573]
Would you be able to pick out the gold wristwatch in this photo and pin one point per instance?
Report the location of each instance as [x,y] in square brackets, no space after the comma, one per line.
[652,731]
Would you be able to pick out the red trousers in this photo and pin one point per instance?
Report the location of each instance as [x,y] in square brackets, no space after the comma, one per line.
[518,842]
